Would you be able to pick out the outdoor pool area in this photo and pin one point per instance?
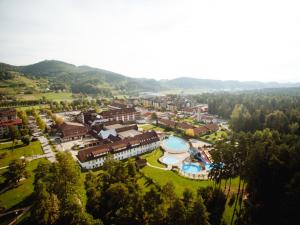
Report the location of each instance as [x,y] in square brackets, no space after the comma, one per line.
[175,145]
[170,160]
[191,168]
[208,166]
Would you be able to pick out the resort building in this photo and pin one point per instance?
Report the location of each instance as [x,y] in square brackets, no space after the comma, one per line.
[199,131]
[125,115]
[71,131]
[8,117]
[133,146]
[167,123]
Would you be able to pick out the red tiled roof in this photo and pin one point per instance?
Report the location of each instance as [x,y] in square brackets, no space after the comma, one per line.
[95,152]
[184,126]
[213,126]
[200,130]
[8,112]
[115,112]
[69,129]
[166,122]
[11,122]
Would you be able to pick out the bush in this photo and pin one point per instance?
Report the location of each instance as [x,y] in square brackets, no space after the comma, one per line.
[231,200]
[25,140]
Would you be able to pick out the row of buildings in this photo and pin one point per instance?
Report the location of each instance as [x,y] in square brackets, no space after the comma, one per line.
[169,103]
[8,117]
[188,128]
[113,132]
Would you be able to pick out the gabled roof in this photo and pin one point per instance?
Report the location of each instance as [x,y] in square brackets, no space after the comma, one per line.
[10,122]
[104,134]
[98,151]
[116,112]
[8,112]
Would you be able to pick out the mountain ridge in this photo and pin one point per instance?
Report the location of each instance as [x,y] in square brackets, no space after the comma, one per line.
[72,75]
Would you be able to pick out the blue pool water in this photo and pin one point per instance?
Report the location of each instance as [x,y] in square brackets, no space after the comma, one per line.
[208,166]
[191,168]
[170,160]
[175,145]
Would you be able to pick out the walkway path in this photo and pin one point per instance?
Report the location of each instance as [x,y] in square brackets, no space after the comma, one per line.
[49,154]
[2,168]
[156,167]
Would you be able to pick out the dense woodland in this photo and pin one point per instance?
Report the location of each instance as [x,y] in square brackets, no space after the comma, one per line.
[263,151]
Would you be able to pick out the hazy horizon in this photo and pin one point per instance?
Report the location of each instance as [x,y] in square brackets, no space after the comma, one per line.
[222,40]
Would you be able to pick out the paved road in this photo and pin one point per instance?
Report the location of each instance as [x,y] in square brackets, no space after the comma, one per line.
[49,154]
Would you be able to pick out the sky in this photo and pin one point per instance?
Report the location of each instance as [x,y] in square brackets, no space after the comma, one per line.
[160,39]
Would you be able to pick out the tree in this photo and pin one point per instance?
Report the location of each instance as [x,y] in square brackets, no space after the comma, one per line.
[168,192]
[154,117]
[25,140]
[240,118]
[199,215]
[58,120]
[176,213]
[14,134]
[23,116]
[46,208]
[277,120]
[16,171]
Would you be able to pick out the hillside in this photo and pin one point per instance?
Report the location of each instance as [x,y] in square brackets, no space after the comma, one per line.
[81,79]
[209,84]
[89,80]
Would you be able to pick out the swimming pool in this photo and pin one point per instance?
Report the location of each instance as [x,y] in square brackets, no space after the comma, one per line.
[175,145]
[208,166]
[169,160]
[191,168]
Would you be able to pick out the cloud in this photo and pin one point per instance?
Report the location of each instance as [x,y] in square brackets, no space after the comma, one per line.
[239,40]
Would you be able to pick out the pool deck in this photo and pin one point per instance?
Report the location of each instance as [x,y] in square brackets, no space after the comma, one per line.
[181,156]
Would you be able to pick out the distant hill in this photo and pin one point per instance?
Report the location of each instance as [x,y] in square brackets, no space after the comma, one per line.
[208,84]
[83,79]
[91,80]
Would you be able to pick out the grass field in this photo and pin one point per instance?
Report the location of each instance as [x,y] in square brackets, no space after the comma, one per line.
[33,107]
[34,148]
[16,195]
[161,177]
[214,136]
[62,96]
[148,126]
[153,157]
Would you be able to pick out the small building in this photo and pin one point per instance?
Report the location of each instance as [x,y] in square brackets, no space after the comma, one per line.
[140,162]
[8,117]
[94,157]
[69,131]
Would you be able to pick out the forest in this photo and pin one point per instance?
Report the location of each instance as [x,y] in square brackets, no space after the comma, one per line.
[263,151]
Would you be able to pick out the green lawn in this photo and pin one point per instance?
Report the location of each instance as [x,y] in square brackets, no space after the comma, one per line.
[147,127]
[153,157]
[16,195]
[34,148]
[32,107]
[62,96]
[161,177]
[214,136]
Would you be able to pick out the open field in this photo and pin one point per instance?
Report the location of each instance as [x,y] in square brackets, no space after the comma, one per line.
[33,107]
[214,136]
[148,126]
[62,96]
[34,148]
[24,189]
[153,157]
